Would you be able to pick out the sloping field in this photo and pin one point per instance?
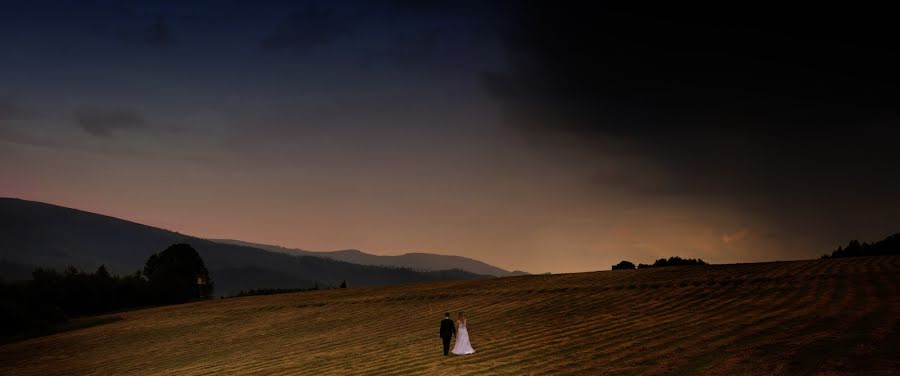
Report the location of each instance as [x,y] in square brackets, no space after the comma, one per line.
[835,316]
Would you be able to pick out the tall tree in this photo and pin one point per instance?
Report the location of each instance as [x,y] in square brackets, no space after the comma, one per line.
[178,275]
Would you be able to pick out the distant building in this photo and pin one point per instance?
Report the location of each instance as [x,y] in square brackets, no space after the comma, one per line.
[202,281]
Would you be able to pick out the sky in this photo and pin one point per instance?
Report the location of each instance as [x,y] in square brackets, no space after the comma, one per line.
[532,135]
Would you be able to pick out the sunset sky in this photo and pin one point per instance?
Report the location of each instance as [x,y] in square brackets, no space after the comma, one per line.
[527,136]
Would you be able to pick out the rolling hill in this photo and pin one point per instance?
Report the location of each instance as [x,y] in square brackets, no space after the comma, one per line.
[838,316]
[415,261]
[40,234]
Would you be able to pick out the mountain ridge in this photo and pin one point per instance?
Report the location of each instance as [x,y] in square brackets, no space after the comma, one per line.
[413,260]
[47,235]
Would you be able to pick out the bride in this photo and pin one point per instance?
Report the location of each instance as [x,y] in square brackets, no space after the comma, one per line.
[462,346]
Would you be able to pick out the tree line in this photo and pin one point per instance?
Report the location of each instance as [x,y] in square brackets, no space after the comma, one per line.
[671,261]
[889,246]
[886,247]
[272,291]
[175,275]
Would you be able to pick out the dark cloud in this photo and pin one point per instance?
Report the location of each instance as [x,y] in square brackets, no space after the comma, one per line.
[311,26]
[160,33]
[413,50]
[791,113]
[105,122]
[410,36]
[697,68]
[12,110]
[145,31]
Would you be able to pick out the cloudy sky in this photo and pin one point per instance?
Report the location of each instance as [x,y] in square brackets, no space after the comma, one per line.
[530,136]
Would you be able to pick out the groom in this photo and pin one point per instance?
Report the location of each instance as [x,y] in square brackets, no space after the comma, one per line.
[447,332]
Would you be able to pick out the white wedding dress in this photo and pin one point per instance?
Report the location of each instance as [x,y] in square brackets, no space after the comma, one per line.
[462,346]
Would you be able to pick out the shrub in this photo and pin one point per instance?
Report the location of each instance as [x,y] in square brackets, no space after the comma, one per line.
[622,265]
[673,261]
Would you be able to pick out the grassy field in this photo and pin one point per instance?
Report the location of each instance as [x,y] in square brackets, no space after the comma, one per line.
[793,318]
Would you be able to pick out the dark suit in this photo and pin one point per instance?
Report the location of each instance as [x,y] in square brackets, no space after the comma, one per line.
[448,329]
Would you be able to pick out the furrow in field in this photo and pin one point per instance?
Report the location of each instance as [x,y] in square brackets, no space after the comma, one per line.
[691,331]
[787,317]
[721,350]
[621,329]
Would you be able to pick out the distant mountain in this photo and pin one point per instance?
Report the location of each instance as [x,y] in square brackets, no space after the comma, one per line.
[40,234]
[416,261]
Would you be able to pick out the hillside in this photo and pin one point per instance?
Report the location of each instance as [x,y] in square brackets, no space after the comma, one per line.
[39,234]
[415,261]
[836,316]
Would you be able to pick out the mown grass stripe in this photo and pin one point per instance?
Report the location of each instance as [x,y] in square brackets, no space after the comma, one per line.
[586,323]
[719,351]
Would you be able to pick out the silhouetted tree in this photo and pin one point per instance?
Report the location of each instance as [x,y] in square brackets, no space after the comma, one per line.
[888,246]
[343,284]
[623,265]
[178,275]
[673,261]
[50,297]
[174,275]
[102,273]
